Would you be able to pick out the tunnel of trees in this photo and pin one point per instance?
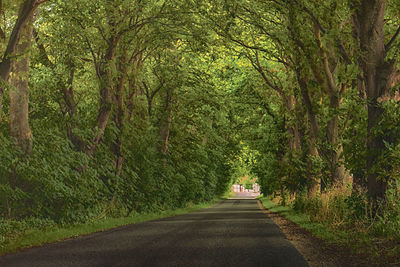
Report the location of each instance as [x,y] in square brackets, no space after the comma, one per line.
[120,106]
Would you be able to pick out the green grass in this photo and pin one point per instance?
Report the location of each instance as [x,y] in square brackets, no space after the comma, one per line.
[38,237]
[359,241]
[320,230]
[227,195]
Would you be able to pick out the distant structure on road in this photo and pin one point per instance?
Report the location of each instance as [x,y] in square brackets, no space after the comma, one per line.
[256,188]
[237,188]
[240,188]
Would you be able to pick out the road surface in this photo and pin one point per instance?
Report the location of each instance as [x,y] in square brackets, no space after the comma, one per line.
[233,232]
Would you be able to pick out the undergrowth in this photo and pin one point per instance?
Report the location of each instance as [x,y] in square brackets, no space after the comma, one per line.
[343,217]
[29,232]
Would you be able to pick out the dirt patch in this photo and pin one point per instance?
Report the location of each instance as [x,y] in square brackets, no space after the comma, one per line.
[316,252]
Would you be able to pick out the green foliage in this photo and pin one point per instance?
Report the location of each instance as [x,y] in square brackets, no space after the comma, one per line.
[354,235]
[388,223]
[17,234]
[159,70]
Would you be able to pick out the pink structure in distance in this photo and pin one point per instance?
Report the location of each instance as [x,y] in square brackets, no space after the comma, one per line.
[240,188]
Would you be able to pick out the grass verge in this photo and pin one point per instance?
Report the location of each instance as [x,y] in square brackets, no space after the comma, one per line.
[382,252]
[37,237]
[319,230]
[227,195]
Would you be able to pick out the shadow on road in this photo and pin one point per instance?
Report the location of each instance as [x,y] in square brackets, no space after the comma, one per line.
[233,232]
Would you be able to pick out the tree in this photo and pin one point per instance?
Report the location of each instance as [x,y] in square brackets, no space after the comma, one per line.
[378,76]
[25,16]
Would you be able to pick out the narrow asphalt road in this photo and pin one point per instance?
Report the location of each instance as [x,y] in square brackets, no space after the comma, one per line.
[233,232]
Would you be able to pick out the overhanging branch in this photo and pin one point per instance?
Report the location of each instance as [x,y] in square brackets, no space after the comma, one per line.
[394,37]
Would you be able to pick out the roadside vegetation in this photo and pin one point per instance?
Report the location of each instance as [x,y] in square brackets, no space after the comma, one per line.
[368,239]
[321,79]
[20,234]
[108,109]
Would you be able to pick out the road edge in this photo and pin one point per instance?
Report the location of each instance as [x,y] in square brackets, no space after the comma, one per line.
[79,231]
[315,251]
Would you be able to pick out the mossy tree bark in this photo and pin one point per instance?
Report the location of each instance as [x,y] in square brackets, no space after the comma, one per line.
[378,74]
[19,91]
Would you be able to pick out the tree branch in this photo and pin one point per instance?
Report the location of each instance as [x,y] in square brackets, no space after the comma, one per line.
[264,76]
[343,52]
[27,9]
[312,16]
[42,50]
[325,63]
[394,37]
[316,22]
[39,2]
[247,46]
[146,89]
[2,34]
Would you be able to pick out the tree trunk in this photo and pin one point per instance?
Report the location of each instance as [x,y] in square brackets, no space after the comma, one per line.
[297,131]
[359,175]
[328,81]
[368,19]
[136,63]
[105,75]
[313,182]
[19,91]
[375,148]
[67,91]
[132,98]
[119,116]
[25,16]
[337,170]
[165,123]
[293,130]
